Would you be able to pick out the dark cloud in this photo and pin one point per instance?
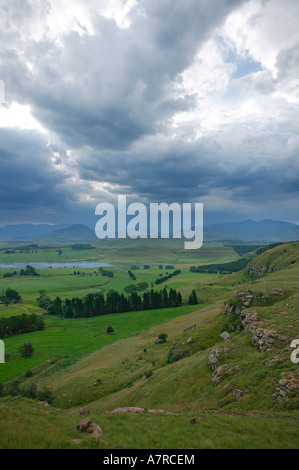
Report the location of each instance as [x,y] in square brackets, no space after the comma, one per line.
[29,183]
[109,98]
[109,89]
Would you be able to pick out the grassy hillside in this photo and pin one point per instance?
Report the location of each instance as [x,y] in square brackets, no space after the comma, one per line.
[243,392]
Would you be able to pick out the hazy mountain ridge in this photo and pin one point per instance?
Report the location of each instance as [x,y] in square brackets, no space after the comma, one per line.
[247,230]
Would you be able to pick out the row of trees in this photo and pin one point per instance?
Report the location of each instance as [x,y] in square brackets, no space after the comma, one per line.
[20,324]
[160,280]
[106,273]
[132,276]
[221,268]
[97,304]
[29,271]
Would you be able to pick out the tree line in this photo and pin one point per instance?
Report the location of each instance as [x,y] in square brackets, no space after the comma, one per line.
[221,268]
[160,280]
[29,271]
[20,324]
[114,302]
[106,273]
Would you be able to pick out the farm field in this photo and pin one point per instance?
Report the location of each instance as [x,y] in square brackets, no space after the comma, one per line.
[118,251]
[79,364]
[77,337]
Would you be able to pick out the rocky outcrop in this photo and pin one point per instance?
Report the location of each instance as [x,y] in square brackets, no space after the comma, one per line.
[95,431]
[246,298]
[89,428]
[214,357]
[236,392]
[256,270]
[136,410]
[128,409]
[84,424]
[224,371]
[263,338]
[288,388]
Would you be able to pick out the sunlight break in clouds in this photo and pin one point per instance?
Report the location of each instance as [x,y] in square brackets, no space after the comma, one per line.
[191,101]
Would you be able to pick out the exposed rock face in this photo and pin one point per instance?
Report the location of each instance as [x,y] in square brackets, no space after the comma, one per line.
[288,389]
[247,298]
[214,359]
[261,337]
[264,338]
[237,393]
[224,371]
[135,410]
[256,270]
[129,409]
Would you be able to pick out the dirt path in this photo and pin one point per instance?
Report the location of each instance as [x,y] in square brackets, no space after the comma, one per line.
[22,308]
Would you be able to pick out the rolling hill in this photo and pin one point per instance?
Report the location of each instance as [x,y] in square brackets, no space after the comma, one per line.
[196,390]
[255,231]
[75,233]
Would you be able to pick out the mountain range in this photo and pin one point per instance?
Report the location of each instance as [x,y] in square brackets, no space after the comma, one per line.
[243,231]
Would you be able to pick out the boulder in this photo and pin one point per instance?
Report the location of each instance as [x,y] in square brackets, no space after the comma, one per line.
[129,409]
[84,424]
[225,336]
[95,431]
[189,340]
[84,411]
[189,328]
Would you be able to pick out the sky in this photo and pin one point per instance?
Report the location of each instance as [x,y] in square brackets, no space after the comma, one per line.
[160,100]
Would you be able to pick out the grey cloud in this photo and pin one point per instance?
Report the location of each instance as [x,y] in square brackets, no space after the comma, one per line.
[110,89]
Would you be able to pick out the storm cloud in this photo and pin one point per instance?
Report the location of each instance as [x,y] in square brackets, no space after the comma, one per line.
[160,100]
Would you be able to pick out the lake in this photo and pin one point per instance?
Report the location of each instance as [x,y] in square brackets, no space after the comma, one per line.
[85,264]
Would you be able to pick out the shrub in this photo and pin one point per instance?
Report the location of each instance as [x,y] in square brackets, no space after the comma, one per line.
[162,338]
[193,298]
[176,353]
[148,374]
[12,389]
[29,391]
[110,329]
[26,350]
[45,395]
[28,374]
